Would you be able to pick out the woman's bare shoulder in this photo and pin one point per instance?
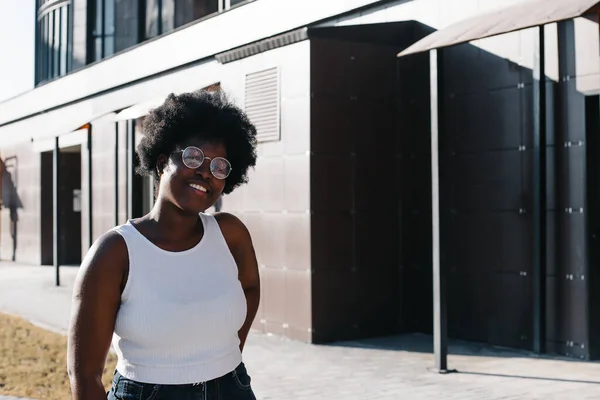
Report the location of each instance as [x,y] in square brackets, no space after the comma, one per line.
[106,262]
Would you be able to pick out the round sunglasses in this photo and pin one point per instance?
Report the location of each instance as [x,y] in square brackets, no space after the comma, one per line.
[193,158]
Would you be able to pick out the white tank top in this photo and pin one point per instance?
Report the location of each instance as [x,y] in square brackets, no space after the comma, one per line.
[180,311]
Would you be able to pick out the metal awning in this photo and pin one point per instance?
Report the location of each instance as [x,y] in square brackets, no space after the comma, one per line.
[529,14]
[510,19]
[49,125]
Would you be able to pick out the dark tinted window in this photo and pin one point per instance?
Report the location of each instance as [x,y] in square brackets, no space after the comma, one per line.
[53,50]
[152,18]
[163,16]
[103,32]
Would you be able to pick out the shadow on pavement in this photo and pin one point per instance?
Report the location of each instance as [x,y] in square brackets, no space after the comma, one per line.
[536,378]
[421,343]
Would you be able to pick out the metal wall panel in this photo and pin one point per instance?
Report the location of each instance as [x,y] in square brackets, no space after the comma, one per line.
[485,242]
[478,121]
[413,168]
[275,203]
[468,303]
[593,221]
[486,228]
[486,71]
[510,314]
[490,186]
[566,321]
[355,254]
[567,297]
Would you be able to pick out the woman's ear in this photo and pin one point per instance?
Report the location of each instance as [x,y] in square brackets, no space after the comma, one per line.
[161,164]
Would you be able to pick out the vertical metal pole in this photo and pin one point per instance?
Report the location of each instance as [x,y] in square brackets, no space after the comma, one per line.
[116,173]
[90,187]
[56,208]
[440,334]
[539,195]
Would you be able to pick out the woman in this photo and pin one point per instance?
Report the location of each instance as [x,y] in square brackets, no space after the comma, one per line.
[176,290]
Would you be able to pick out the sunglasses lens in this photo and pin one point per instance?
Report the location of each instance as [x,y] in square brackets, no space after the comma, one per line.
[193,157]
[220,168]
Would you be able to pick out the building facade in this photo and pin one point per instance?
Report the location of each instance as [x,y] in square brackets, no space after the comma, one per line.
[339,205]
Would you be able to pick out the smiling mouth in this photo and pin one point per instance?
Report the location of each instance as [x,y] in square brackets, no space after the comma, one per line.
[198,187]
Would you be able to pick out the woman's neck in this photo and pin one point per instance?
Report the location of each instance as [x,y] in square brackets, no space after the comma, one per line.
[169,218]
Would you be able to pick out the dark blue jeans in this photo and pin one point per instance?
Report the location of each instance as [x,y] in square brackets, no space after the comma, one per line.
[233,386]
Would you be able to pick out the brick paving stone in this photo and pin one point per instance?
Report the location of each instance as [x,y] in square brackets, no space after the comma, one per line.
[382,369]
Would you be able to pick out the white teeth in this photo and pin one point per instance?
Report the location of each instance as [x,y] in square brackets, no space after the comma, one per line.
[198,187]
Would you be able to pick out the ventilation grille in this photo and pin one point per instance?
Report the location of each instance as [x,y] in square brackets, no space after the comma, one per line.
[262,103]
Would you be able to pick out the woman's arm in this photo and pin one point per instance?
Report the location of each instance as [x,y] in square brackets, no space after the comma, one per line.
[240,244]
[96,300]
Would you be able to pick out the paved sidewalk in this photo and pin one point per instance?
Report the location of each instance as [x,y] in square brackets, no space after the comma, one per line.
[12,398]
[383,369]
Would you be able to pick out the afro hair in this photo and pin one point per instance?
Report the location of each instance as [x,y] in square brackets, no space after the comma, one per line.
[209,116]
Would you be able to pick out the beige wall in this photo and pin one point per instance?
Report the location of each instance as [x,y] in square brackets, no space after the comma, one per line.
[23,170]
[103,178]
[85,244]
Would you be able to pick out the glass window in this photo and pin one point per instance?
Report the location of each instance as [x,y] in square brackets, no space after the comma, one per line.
[190,10]
[50,56]
[127,23]
[69,38]
[152,18]
[183,12]
[235,2]
[109,17]
[109,27]
[42,46]
[56,44]
[109,45]
[104,29]
[167,15]
[98,28]
[98,48]
[53,43]
[64,29]
[47,43]
[202,8]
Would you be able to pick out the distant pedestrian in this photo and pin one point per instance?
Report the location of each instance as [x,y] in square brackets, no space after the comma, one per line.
[177,290]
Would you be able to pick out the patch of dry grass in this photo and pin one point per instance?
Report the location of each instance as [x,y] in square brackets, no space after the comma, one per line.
[33,361]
